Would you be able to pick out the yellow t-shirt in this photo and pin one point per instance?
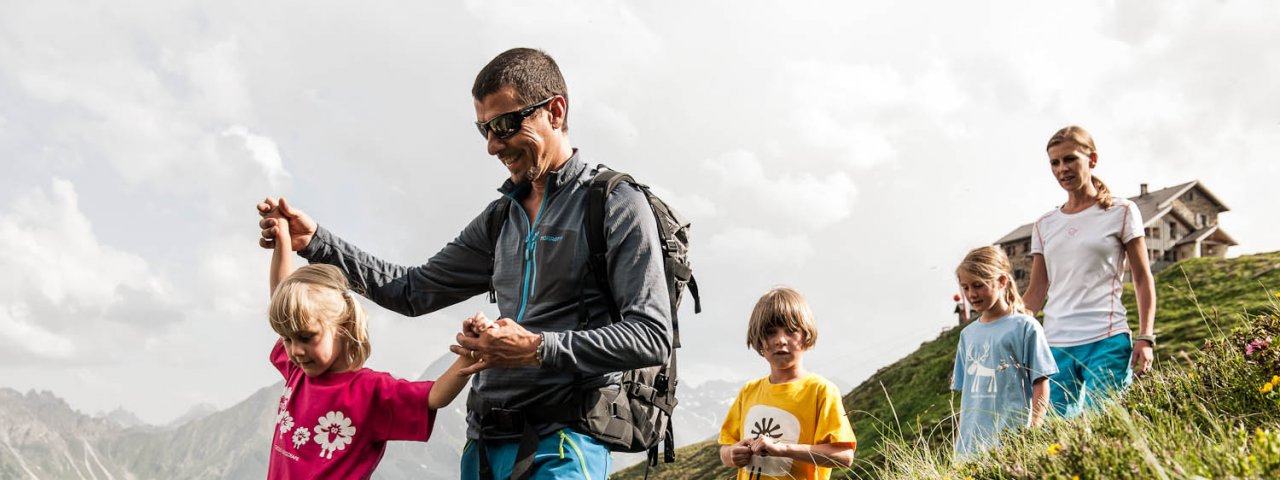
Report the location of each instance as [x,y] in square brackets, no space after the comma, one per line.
[807,411]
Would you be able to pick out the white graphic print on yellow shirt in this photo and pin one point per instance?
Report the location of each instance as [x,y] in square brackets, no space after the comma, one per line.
[777,424]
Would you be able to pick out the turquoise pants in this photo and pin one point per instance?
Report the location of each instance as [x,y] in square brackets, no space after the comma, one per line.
[562,454]
[1089,373]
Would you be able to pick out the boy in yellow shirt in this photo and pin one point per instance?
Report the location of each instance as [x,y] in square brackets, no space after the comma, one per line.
[790,424]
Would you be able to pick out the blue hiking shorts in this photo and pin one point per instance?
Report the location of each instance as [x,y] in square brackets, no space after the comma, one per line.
[561,454]
[1089,373]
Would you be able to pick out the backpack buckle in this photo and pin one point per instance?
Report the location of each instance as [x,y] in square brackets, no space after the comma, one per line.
[504,420]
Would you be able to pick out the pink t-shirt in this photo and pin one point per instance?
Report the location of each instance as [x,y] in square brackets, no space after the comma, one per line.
[337,425]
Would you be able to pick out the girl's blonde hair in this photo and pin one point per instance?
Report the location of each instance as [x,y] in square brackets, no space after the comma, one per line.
[319,293]
[781,307]
[988,264]
[1082,139]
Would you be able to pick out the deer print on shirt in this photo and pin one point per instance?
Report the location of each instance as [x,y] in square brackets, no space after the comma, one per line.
[978,370]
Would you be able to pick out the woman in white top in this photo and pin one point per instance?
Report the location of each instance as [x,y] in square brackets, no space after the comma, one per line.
[1079,252]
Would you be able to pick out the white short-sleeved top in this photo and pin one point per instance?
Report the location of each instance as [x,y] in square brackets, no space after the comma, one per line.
[1084,257]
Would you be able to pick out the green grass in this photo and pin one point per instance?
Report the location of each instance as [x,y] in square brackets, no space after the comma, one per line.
[1213,417]
[909,403]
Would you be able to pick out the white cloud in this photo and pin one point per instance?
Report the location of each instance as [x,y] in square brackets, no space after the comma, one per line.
[611,24]
[24,335]
[693,204]
[759,249]
[66,289]
[141,92]
[263,151]
[789,198]
[215,77]
[858,112]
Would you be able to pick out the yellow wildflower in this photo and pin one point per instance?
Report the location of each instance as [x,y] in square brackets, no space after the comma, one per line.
[1054,449]
[1075,477]
[1275,379]
[1266,387]
[1193,376]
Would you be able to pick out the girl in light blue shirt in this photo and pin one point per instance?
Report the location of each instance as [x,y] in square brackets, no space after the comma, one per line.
[1002,361]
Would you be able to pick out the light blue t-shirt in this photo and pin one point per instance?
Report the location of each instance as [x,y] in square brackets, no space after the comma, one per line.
[996,364]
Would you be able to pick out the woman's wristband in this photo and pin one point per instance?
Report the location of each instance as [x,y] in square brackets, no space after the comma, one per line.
[1149,338]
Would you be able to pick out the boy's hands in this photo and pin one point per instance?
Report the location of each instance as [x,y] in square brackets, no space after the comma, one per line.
[278,211]
[764,446]
[740,453]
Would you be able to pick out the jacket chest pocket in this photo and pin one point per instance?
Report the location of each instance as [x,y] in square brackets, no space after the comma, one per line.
[557,258]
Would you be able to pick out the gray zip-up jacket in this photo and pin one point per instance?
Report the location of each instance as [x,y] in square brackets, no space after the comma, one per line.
[539,273]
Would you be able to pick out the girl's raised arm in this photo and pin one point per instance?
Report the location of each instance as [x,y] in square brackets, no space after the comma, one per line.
[281,255]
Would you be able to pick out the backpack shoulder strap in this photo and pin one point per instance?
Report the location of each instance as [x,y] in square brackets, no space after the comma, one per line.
[497,213]
[598,190]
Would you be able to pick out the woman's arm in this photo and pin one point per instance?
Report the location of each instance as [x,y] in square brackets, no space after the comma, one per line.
[1144,288]
[1034,296]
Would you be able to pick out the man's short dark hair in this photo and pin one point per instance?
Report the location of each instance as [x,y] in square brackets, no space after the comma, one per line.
[532,73]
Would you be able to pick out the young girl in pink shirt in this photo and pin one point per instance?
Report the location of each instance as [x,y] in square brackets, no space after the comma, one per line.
[335,417]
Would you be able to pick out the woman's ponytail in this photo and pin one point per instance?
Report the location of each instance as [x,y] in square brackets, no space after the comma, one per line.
[1104,194]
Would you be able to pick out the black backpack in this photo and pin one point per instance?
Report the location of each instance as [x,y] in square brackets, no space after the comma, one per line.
[637,416]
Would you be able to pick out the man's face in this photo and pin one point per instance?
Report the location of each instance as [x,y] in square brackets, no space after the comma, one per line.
[528,153]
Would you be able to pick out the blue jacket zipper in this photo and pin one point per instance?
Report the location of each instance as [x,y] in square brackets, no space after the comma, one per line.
[530,251]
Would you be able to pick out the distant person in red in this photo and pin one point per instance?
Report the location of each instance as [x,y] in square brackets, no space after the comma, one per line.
[1079,253]
[335,417]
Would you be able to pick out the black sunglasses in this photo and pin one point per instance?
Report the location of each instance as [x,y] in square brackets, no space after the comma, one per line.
[507,124]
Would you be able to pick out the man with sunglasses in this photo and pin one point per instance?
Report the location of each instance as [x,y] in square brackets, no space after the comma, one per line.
[554,342]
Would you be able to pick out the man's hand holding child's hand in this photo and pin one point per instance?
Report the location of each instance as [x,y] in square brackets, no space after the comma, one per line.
[472,327]
[500,344]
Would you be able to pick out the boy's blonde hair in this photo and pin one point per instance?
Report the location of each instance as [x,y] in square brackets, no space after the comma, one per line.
[1081,138]
[781,307]
[988,264]
[319,293]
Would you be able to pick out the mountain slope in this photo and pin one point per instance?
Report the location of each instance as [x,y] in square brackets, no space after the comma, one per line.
[912,397]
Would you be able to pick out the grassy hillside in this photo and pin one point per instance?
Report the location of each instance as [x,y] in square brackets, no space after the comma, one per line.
[910,399]
[1214,416]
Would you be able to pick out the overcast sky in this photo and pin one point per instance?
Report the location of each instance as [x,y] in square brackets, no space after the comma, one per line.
[854,151]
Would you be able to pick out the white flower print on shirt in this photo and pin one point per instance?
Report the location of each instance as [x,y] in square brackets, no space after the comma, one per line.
[286,422]
[284,399]
[333,433]
[300,437]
